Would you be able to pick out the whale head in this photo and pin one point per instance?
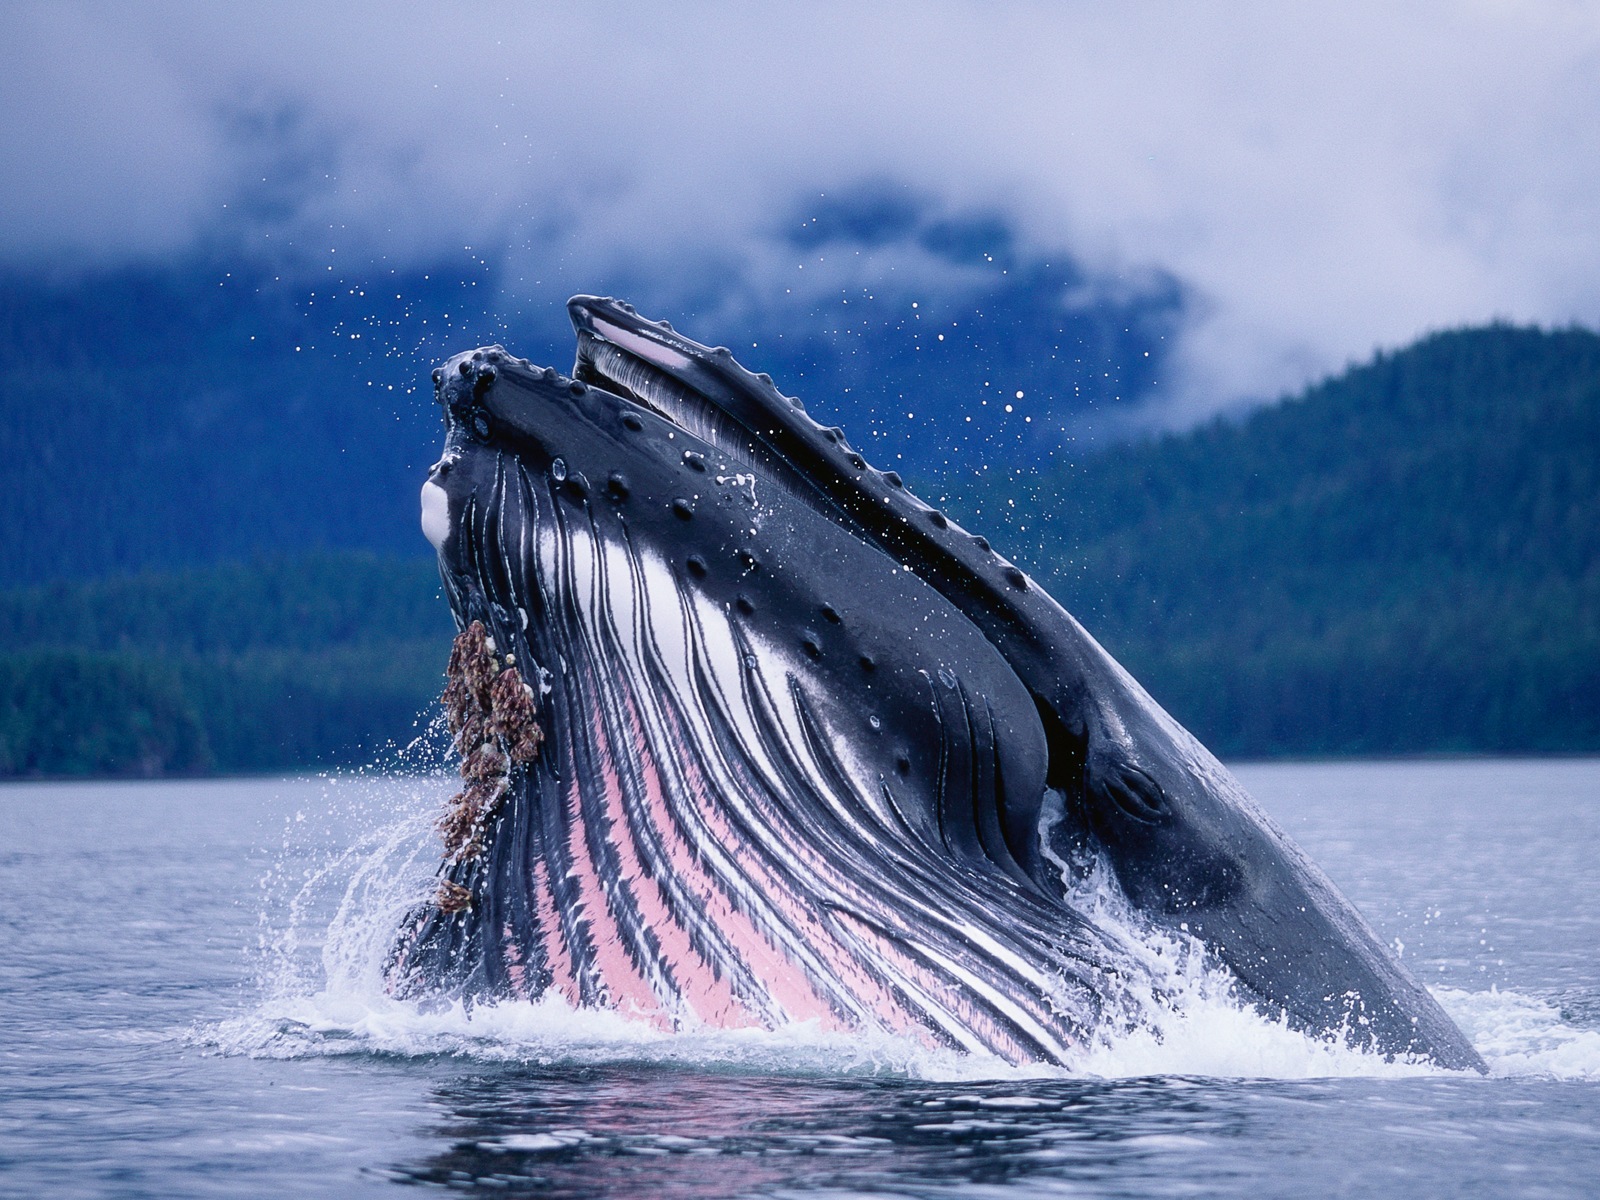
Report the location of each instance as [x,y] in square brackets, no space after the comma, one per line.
[751,735]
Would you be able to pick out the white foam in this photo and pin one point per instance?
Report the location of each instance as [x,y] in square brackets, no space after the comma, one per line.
[549,1031]
[1522,1035]
[1213,1036]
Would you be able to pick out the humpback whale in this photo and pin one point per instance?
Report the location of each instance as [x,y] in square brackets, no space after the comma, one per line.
[752,735]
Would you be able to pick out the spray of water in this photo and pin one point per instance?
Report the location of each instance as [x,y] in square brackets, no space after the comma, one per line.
[347,873]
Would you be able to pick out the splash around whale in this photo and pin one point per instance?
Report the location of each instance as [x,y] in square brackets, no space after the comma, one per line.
[751,736]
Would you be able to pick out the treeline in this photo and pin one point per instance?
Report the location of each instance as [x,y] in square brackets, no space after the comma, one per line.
[1403,559]
[280,664]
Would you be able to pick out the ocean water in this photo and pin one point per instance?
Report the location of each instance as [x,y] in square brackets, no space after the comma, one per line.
[189,1006]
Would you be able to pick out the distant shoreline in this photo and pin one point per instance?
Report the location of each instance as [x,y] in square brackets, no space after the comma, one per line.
[368,771]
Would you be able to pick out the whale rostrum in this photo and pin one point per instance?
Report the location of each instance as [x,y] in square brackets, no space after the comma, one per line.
[751,735]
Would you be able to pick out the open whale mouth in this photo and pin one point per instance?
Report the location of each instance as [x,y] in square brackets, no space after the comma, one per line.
[629,361]
[752,735]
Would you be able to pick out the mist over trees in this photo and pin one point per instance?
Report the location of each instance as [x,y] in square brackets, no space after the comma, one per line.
[281,663]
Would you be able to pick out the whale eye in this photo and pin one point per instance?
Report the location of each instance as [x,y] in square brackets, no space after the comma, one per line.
[480,425]
[558,469]
[1132,792]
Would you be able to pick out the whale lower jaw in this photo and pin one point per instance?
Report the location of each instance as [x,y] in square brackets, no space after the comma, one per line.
[694,846]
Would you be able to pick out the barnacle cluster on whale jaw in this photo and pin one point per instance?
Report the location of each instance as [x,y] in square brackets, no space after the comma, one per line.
[491,712]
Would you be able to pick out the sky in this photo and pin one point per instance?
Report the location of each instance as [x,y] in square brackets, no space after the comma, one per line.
[1314,181]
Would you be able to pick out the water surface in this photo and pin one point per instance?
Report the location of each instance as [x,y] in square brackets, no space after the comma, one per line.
[189,1007]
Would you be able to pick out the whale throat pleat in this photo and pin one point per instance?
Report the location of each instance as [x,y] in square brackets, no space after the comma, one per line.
[698,845]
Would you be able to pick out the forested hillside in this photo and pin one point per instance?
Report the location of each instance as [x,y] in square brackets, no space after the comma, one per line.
[281,663]
[1403,559]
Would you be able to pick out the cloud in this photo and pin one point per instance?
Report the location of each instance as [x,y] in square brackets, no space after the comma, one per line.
[102,151]
[1320,180]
